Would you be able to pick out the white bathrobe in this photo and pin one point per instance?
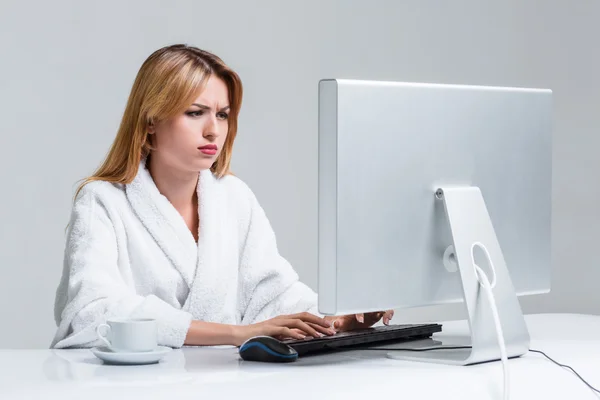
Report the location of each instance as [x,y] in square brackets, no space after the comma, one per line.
[129,253]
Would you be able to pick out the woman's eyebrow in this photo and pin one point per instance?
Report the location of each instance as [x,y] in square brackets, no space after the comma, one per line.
[208,108]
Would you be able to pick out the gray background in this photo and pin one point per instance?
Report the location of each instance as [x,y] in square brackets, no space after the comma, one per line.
[67,67]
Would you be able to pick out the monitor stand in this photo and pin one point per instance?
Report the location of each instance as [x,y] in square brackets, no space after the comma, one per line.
[470,223]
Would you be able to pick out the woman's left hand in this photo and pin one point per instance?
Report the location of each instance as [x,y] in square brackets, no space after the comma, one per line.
[359,321]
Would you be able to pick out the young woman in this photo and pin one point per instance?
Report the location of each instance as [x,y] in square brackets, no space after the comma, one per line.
[163,230]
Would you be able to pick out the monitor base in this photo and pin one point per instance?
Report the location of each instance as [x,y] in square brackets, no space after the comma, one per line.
[474,235]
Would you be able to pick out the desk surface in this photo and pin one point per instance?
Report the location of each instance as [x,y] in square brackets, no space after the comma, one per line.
[194,373]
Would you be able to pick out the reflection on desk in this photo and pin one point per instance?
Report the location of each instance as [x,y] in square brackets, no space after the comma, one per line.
[195,372]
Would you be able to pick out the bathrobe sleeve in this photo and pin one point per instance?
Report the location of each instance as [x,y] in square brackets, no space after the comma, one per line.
[96,287]
[269,284]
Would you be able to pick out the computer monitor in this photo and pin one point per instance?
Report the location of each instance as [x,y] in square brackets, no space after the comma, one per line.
[416,182]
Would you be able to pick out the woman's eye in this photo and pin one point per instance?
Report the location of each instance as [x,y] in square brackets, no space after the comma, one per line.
[223,115]
[195,113]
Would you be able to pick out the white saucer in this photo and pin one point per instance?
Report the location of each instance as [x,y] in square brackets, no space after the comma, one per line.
[130,358]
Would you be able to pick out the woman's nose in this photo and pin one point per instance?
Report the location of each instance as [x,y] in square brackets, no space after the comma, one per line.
[210,129]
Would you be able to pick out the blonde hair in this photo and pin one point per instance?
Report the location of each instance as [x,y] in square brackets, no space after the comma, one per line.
[166,84]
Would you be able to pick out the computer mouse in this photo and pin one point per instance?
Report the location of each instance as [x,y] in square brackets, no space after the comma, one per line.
[267,349]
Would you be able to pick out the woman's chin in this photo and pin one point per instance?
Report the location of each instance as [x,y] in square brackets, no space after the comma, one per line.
[202,165]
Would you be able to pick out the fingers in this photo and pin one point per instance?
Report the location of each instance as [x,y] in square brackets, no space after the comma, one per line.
[303,326]
[294,330]
[308,317]
[321,331]
[283,331]
[369,319]
[337,324]
[319,328]
[387,317]
[345,323]
[374,317]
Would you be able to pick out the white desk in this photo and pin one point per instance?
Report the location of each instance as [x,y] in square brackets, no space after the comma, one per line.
[218,373]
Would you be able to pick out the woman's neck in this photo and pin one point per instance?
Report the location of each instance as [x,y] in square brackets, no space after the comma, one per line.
[177,186]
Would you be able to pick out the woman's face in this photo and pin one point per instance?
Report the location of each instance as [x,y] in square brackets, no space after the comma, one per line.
[193,140]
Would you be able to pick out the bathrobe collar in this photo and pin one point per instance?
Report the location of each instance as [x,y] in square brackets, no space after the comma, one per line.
[165,223]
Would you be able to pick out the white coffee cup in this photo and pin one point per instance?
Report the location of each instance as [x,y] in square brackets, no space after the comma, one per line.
[128,335]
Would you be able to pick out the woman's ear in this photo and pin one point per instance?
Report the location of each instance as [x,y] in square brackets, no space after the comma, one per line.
[151,129]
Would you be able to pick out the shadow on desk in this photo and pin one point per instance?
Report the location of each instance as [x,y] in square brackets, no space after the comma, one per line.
[208,364]
[83,366]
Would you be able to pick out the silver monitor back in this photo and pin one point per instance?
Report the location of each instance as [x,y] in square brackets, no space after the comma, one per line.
[384,149]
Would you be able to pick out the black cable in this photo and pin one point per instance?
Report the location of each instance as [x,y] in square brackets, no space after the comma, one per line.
[468,347]
[566,366]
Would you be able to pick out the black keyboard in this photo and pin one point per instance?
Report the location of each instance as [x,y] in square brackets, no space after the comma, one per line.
[374,335]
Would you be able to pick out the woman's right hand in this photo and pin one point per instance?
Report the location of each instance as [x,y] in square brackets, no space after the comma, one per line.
[296,326]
